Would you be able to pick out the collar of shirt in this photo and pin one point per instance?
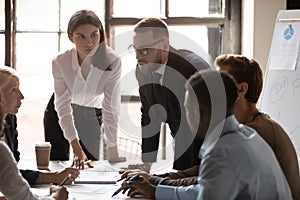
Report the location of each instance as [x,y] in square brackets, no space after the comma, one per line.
[230,124]
[161,71]
[75,63]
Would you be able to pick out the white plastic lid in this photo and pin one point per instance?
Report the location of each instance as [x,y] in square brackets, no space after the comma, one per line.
[43,144]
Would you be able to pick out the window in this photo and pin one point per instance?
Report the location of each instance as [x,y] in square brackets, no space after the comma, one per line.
[2,32]
[35,34]
[207,27]
[39,34]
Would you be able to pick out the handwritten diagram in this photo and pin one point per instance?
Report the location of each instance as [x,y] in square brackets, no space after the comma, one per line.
[278,90]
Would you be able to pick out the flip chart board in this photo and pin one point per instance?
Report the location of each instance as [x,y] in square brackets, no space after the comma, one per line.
[281,92]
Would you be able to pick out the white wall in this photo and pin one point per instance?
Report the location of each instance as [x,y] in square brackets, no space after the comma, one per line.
[258,21]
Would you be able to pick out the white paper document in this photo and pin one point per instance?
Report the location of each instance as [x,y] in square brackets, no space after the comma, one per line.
[93,177]
[285,46]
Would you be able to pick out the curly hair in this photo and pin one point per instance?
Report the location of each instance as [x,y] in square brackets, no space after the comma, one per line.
[244,70]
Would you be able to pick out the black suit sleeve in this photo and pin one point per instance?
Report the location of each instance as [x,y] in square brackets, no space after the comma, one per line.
[11,135]
[150,128]
[30,175]
[16,152]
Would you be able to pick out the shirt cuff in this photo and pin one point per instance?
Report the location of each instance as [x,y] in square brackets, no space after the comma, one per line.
[155,180]
[164,192]
[30,175]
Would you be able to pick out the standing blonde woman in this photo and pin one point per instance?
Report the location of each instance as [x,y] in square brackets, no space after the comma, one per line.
[87,90]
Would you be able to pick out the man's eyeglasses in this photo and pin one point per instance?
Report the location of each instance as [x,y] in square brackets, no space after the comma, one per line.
[144,50]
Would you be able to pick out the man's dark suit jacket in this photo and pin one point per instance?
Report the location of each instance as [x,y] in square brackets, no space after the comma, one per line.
[11,135]
[178,70]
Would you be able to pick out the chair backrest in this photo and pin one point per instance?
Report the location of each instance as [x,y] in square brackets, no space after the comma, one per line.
[129,148]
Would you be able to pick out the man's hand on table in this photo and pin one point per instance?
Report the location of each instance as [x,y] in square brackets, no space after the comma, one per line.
[144,167]
[139,187]
[129,173]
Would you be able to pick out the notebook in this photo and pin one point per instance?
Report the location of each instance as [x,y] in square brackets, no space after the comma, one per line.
[92,177]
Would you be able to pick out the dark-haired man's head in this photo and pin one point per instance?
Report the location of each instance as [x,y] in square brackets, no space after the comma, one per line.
[249,77]
[210,98]
[150,44]
[244,70]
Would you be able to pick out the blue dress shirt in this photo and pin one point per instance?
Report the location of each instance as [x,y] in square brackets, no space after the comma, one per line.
[239,166]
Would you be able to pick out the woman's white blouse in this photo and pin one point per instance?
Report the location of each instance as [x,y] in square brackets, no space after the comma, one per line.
[12,184]
[100,89]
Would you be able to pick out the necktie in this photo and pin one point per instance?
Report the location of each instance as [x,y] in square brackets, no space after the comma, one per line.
[157,88]
[160,112]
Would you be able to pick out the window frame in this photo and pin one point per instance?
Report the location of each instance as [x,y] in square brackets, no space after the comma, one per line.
[230,41]
[230,24]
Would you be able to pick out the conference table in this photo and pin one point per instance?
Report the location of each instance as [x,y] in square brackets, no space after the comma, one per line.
[84,191]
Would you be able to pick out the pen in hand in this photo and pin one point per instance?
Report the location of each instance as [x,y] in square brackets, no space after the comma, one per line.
[65,180]
[120,179]
[88,161]
[134,178]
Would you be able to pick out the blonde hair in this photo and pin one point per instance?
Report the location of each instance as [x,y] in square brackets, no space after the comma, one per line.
[5,74]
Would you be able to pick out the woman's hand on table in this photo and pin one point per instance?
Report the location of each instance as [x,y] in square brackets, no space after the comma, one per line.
[79,158]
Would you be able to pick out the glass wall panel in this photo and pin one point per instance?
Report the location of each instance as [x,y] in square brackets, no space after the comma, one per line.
[2,15]
[2,49]
[194,38]
[65,43]
[37,15]
[195,8]
[123,38]
[35,53]
[68,7]
[137,8]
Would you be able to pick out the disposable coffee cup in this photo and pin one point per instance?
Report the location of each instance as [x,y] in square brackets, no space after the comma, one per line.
[42,153]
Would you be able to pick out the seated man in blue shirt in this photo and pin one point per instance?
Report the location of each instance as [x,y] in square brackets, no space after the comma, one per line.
[236,162]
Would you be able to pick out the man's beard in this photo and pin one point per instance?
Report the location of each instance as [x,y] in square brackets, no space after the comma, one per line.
[151,67]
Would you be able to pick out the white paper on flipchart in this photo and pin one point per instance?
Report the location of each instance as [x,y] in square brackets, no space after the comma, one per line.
[284,52]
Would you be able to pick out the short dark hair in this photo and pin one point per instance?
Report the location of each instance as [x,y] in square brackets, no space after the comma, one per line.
[198,84]
[244,70]
[157,25]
